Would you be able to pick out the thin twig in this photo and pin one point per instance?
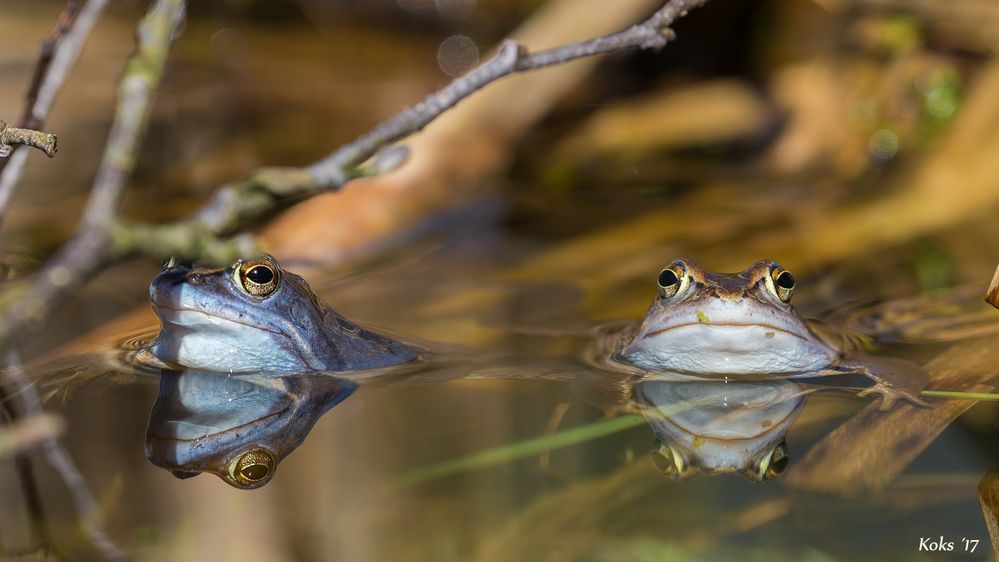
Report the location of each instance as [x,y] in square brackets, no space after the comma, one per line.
[11,137]
[135,92]
[62,463]
[32,117]
[511,57]
[58,55]
[28,433]
[26,477]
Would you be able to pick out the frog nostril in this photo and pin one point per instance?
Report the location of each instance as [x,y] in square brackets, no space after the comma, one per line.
[167,278]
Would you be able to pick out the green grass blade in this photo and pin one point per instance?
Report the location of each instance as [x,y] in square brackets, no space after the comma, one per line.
[958,395]
[522,449]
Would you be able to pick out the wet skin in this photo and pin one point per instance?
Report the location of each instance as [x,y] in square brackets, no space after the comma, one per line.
[252,317]
[742,325]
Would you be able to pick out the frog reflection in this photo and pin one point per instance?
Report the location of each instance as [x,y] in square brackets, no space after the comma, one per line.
[236,427]
[717,427]
[253,317]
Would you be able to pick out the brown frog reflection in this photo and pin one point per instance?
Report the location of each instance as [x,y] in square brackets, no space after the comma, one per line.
[716,427]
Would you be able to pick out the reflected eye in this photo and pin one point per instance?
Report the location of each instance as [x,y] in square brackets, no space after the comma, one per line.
[257,278]
[783,283]
[670,280]
[252,469]
[667,462]
[776,463]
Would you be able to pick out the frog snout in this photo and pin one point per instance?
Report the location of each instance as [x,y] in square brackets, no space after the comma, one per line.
[167,283]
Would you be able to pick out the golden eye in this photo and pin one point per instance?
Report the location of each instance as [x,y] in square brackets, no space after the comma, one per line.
[257,278]
[783,283]
[776,462]
[667,462]
[252,469]
[670,280]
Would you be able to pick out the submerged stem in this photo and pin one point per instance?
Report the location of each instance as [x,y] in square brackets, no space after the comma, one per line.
[522,449]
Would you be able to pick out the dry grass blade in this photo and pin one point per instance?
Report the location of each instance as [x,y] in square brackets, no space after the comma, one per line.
[988,497]
[992,296]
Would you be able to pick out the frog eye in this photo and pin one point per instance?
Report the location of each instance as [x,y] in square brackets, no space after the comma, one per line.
[668,461]
[782,283]
[251,469]
[670,280]
[774,464]
[257,278]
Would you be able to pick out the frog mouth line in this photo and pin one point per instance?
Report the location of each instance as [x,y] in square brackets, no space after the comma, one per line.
[726,324]
[210,315]
[237,428]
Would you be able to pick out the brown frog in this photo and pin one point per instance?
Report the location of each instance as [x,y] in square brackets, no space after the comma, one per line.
[742,325]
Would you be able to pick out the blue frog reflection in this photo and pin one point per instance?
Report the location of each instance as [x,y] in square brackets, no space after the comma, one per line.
[236,427]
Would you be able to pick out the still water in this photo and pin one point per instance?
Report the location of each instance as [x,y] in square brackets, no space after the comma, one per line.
[508,443]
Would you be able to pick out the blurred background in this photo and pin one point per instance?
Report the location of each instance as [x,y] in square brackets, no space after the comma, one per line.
[852,140]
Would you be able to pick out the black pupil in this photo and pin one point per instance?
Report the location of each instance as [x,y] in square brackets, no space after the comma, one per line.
[667,278]
[780,465]
[785,280]
[260,275]
[254,472]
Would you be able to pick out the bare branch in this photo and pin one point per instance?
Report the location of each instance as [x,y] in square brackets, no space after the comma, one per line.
[242,203]
[653,33]
[25,471]
[29,433]
[33,115]
[12,136]
[135,92]
[59,53]
[63,464]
